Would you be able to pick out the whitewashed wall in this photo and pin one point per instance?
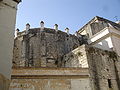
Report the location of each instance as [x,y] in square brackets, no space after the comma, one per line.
[7,26]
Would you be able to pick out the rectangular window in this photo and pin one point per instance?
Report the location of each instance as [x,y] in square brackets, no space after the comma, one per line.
[109,83]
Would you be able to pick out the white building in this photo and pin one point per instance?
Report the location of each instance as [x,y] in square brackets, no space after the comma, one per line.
[8,10]
[103,34]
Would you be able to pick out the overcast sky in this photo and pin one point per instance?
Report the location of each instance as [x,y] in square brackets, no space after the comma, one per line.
[66,13]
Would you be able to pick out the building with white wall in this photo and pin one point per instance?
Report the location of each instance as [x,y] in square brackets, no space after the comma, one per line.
[8,10]
[103,34]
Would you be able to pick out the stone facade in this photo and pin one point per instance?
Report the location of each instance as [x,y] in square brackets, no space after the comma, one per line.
[76,58]
[43,48]
[49,59]
[104,69]
[104,66]
[94,69]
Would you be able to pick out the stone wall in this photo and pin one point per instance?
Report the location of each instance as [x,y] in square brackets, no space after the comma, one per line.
[43,48]
[76,58]
[50,48]
[104,69]
[104,66]
[50,79]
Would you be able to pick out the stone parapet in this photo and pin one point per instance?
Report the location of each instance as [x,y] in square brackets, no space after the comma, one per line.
[50,79]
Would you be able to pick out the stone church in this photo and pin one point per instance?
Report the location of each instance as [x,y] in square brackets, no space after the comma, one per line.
[50,59]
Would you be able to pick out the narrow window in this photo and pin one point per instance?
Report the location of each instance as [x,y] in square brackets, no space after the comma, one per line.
[109,83]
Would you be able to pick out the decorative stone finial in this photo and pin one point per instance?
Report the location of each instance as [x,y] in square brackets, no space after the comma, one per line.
[67,30]
[56,27]
[42,24]
[77,34]
[16,32]
[27,27]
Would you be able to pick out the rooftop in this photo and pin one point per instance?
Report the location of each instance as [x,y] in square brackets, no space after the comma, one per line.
[100,19]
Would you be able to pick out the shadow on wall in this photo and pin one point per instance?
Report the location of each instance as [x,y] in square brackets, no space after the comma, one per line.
[103,45]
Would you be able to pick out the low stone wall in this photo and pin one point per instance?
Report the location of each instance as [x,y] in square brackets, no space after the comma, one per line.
[50,79]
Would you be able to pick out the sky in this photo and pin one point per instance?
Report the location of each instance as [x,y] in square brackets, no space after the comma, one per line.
[66,13]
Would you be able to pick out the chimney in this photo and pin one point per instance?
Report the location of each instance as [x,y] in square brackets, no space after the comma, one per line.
[67,30]
[16,32]
[56,27]
[27,27]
